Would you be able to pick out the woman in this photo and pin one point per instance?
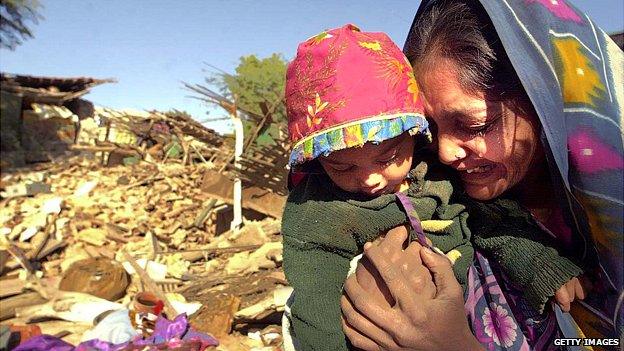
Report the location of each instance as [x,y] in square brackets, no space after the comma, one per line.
[528,103]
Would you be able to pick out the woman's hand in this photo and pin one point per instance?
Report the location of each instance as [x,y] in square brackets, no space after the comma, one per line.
[421,313]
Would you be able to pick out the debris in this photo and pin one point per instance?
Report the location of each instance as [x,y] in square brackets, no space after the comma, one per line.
[263,258]
[50,247]
[52,206]
[69,306]
[147,247]
[201,218]
[176,265]
[168,335]
[154,270]
[13,335]
[73,254]
[253,233]
[85,189]
[10,287]
[29,233]
[279,277]
[151,286]
[181,305]
[178,237]
[10,304]
[29,226]
[26,189]
[271,304]
[217,317]
[20,258]
[93,236]
[264,201]
[65,223]
[271,336]
[212,266]
[114,328]
[96,276]
[197,254]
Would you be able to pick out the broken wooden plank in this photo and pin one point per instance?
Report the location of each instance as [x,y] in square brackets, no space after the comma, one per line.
[144,181]
[8,306]
[203,215]
[4,259]
[20,257]
[51,246]
[10,287]
[218,186]
[217,317]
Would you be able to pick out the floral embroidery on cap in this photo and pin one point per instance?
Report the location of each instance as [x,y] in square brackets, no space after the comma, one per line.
[313,111]
[375,46]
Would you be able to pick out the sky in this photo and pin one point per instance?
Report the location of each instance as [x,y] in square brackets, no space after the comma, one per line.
[151,47]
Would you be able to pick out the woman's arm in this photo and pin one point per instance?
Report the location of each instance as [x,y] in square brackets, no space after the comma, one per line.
[428,313]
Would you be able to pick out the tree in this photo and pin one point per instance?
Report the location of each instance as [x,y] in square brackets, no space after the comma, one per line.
[257,81]
[14,18]
[257,86]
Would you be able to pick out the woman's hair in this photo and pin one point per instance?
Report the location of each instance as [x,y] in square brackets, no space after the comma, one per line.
[462,32]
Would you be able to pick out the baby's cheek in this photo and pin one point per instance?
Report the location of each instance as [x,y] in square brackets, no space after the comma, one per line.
[370,280]
[343,181]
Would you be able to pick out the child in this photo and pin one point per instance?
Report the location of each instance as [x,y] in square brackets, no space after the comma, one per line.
[355,119]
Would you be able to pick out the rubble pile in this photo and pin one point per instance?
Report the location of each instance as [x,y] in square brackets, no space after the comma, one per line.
[131,135]
[117,225]
[106,234]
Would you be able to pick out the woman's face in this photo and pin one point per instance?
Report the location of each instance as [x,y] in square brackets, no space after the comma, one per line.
[373,169]
[490,146]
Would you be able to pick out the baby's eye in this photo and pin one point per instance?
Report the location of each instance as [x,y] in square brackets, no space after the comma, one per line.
[342,168]
[388,160]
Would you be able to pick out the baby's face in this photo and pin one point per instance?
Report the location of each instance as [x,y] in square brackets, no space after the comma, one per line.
[372,169]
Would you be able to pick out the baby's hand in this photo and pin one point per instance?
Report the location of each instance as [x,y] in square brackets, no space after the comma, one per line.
[574,289]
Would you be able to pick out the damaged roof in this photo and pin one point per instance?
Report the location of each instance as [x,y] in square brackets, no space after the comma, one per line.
[48,90]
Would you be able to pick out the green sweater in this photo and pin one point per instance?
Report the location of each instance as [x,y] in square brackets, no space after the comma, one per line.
[324,228]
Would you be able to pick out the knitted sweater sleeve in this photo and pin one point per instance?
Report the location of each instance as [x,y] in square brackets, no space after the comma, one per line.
[316,306]
[507,234]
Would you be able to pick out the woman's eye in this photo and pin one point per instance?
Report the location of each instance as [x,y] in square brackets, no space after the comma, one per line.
[478,132]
